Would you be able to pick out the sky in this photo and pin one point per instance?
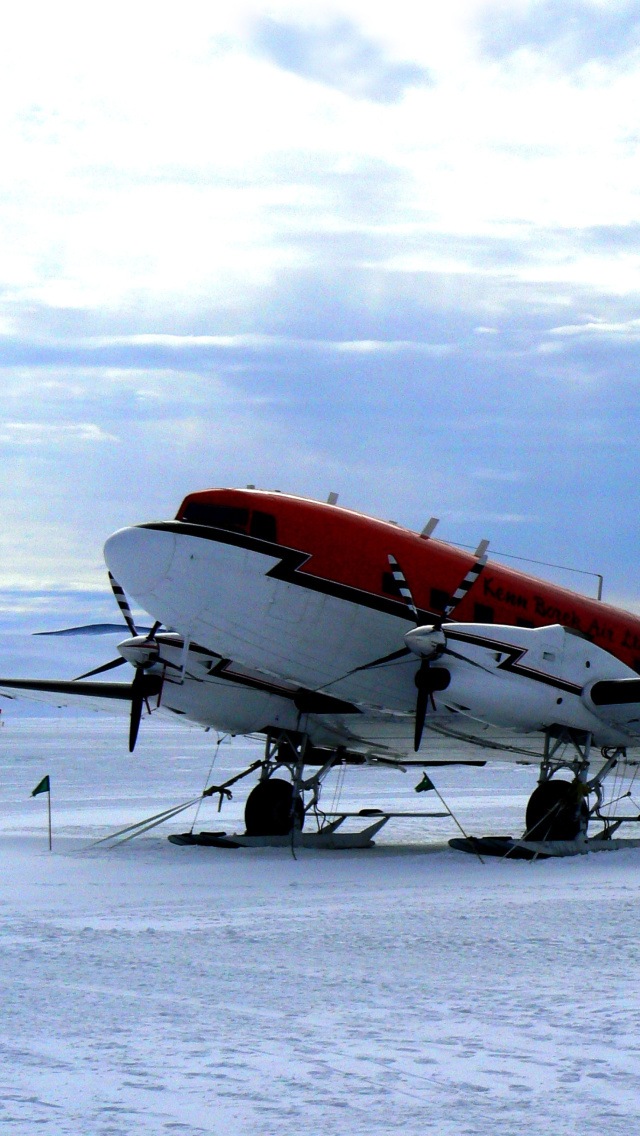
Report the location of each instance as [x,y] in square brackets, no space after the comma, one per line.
[390,251]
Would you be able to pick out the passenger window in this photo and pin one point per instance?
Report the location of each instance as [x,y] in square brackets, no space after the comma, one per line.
[439,599]
[216,516]
[524,623]
[263,525]
[482,613]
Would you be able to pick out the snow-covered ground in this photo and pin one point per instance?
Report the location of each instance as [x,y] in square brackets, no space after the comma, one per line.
[155,989]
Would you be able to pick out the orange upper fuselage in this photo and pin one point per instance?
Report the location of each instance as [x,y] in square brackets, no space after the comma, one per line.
[351,550]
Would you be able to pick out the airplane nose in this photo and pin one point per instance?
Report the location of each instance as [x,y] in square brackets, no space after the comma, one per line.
[139,558]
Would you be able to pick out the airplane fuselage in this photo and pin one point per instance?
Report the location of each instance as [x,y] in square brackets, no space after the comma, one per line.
[292,619]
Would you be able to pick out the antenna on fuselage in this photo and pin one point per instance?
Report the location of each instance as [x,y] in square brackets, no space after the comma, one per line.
[429,527]
[332,499]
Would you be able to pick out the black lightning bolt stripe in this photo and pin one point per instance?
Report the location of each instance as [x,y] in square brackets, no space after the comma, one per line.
[306,701]
[288,569]
[290,561]
[511,663]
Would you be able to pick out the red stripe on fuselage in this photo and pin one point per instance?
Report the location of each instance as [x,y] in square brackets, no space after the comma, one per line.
[349,548]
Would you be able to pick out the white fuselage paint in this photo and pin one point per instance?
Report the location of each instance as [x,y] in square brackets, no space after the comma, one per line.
[221,596]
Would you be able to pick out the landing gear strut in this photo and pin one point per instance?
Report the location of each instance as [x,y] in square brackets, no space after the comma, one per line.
[559,809]
[275,807]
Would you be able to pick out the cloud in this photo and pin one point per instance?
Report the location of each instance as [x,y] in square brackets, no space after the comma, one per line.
[629,329]
[620,238]
[52,434]
[340,56]
[184,345]
[482,437]
[29,610]
[573,32]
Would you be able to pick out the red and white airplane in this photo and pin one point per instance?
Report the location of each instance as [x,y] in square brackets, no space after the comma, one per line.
[340,638]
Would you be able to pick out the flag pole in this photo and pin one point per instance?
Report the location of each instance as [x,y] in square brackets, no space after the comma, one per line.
[44,786]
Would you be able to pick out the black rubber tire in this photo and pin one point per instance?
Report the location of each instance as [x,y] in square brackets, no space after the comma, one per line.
[268,809]
[556,811]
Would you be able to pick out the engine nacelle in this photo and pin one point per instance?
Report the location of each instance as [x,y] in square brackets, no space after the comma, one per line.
[529,679]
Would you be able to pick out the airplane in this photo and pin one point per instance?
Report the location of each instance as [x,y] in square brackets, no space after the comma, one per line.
[344,639]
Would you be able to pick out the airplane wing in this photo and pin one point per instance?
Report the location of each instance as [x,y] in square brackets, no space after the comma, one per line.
[502,685]
[114,696]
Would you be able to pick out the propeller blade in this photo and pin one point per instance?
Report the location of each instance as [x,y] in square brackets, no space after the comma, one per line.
[152,634]
[142,688]
[424,687]
[422,703]
[470,578]
[137,702]
[404,589]
[87,629]
[123,604]
[134,723]
[99,670]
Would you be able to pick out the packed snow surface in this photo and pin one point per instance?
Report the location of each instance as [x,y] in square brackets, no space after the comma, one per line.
[151,988]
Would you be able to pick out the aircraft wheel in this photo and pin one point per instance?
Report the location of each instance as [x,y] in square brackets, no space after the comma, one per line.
[268,809]
[555,811]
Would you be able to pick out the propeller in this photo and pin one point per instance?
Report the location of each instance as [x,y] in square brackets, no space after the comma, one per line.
[144,685]
[428,680]
[430,642]
[423,678]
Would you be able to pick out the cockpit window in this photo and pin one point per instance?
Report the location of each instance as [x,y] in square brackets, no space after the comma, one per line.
[263,525]
[217,516]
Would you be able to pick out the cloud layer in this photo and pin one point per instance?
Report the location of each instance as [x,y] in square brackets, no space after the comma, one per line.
[390,253]
[573,33]
[339,55]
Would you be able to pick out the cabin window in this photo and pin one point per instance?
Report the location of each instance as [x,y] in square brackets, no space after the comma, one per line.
[636,666]
[482,613]
[216,516]
[263,525]
[524,623]
[439,600]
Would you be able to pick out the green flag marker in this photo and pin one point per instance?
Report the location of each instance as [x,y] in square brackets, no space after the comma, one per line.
[43,786]
[425,785]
